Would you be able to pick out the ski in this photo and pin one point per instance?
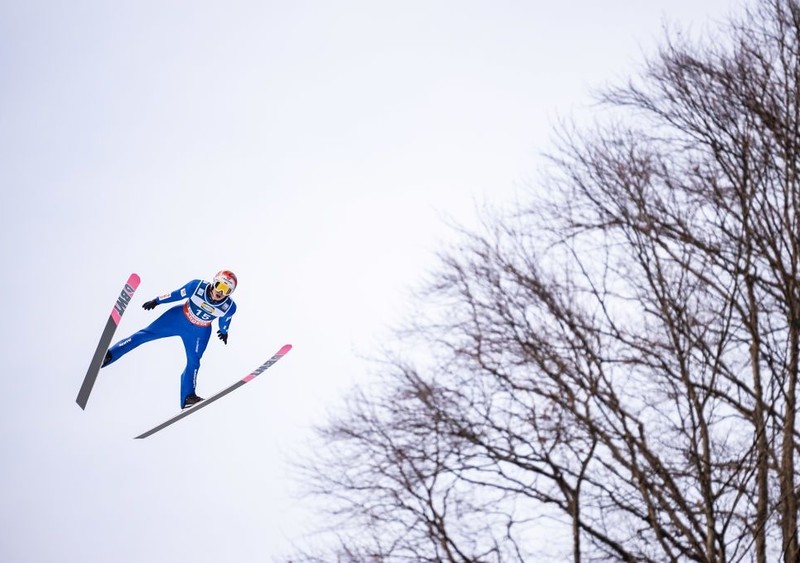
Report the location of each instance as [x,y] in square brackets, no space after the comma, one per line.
[277,356]
[105,340]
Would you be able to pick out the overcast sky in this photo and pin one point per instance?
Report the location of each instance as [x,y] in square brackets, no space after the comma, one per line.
[314,148]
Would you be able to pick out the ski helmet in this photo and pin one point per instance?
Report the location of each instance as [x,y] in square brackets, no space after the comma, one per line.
[224,281]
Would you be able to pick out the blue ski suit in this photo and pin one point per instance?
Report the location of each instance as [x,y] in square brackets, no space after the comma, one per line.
[191,321]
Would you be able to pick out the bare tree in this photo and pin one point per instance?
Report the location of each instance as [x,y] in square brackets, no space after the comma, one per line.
[611,371]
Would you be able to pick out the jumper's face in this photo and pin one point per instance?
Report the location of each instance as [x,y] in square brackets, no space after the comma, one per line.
[220,289]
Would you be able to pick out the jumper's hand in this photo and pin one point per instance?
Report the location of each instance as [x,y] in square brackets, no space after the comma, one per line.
[150,305]
[223,336]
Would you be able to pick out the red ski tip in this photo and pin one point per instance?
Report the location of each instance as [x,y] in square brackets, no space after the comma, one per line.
[285,349]
[125,297]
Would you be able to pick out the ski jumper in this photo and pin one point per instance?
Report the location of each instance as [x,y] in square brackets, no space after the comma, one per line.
[191,321]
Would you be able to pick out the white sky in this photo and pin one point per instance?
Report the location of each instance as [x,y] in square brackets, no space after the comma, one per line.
[314,148]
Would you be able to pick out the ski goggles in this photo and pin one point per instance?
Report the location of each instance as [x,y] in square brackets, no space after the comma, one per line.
[223,287]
